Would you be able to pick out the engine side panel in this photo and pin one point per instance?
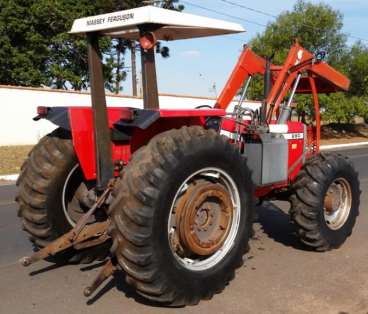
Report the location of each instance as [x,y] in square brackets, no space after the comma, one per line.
[275,159]
[268,160]
[297,147]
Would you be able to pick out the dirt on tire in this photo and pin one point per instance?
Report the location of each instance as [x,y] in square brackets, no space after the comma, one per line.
[307,201]
[39,196]
[141,205]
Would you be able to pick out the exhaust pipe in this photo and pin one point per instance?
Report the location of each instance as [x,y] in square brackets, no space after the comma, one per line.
[267,89]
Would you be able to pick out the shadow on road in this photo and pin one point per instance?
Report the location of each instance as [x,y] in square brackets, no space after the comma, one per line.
[46,269]
[275,223]
[119,281]
[93,266]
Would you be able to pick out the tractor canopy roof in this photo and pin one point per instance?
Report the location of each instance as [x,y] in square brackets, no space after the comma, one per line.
[167,24]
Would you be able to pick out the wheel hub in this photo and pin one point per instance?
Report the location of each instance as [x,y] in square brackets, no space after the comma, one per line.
[333,199]
[337,203]
[78,196]
[203,217]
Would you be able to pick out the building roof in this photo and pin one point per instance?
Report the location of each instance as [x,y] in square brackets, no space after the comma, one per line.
[171,25]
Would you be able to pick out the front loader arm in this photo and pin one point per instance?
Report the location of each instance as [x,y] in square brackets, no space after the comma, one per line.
[301,61]
[248,64]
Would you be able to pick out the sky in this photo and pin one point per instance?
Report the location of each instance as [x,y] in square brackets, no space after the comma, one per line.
[200,67]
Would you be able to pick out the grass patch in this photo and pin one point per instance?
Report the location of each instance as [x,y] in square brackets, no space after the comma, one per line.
[12,158]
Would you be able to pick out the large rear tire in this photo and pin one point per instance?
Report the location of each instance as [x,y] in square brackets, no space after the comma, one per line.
[181,175]
[325,202]
[52,195]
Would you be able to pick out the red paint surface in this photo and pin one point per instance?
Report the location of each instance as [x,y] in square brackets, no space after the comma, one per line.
[81,122]
[296,149]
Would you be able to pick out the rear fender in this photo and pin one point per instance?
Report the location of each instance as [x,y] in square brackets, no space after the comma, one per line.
[129,132]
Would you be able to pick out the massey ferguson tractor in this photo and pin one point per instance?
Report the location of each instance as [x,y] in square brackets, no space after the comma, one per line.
[168,196]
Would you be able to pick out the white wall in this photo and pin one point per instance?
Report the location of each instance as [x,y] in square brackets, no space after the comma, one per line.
[18,106]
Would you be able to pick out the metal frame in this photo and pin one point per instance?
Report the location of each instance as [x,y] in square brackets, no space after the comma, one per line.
[102,136]
[138,125]
[149,79]
[312,75]
[298,61]
[102,133]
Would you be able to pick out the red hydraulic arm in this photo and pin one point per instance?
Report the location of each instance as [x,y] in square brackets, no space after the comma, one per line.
[248,64]
[285,79]
[316,77]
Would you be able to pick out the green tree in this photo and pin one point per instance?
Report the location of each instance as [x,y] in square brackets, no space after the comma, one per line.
[172,5]
[318,27]
[23,53]
[36,49]
[315,26]
[340,108]
[356,63]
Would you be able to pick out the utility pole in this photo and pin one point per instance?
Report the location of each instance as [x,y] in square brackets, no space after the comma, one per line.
[134,68]
[118,67]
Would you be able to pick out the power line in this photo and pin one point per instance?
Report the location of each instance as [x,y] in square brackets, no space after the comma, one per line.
[357,37]
[275,16]
[249,8]
[253,22]
[222,13]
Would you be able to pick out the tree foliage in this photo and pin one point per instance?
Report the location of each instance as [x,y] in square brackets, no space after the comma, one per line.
[172,5]
[315,26]
[36,49]
[318,27]
[340,108]
[356,65]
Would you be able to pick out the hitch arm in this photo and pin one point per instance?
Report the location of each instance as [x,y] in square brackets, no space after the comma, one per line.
[97,231]
[80,237]
[107,271]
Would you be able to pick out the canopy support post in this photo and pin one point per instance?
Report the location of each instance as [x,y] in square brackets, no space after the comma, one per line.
[149,79]
[102,137]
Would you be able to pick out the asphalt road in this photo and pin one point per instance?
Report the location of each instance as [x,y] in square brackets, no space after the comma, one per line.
[280,276]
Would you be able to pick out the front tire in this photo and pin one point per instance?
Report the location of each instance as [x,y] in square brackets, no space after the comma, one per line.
[325,202]
[201,173]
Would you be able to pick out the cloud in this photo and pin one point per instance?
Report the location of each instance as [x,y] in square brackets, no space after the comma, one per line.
[191,54]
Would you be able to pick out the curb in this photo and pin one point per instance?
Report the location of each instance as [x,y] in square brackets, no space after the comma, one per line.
[10,177]
[14,177]
[327,147]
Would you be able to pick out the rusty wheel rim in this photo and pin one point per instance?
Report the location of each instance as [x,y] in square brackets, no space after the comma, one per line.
[204,219]
[337,203]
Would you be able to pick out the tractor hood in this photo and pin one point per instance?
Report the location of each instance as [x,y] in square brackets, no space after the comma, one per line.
[169,24]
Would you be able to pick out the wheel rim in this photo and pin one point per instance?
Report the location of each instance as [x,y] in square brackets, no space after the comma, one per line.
[337,203]
[77,196]
[204,219]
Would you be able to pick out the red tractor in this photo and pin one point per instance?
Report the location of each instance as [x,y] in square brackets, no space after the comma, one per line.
[164,193]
